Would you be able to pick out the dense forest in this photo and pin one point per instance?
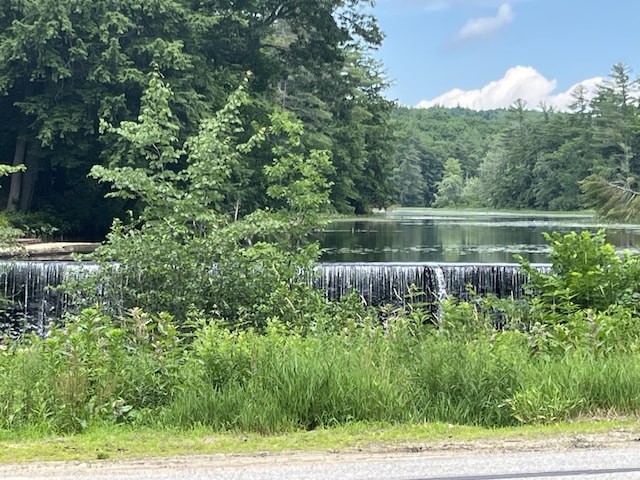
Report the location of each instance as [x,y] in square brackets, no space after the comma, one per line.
[66,68]
[520,158]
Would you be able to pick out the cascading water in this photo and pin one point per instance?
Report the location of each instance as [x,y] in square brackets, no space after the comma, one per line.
[376,283]
[380,283]
[441,292]
[31,301]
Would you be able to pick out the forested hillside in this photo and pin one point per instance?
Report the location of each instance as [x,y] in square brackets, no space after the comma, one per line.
[429,138]
[523,158]
[65,66]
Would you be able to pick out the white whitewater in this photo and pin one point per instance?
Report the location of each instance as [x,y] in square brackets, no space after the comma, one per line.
[31,303]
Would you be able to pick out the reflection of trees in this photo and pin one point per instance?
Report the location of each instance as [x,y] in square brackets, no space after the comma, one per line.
[361,240]
[472,242]
[431,240]
[413,242]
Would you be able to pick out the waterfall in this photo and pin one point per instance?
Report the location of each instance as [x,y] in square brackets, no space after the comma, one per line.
[376,283]
[441,292]
[30,301]
[379,283]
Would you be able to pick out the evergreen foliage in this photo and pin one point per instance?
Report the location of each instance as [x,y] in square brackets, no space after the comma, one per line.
[66,65]
[450,188]
[525,159]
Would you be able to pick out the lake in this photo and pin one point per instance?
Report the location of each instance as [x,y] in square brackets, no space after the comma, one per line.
[444,236]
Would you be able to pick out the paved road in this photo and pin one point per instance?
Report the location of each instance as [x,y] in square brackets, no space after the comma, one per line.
[618,464]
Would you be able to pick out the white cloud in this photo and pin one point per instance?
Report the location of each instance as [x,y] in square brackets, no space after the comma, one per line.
[562,100]
[519,82]
[486,26]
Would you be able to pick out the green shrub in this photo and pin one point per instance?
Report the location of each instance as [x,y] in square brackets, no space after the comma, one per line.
[187,248]
[586,273]
[46,226]
[92,369]
[615,330]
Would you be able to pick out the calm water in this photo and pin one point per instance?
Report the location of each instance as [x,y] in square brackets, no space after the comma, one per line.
[448,236]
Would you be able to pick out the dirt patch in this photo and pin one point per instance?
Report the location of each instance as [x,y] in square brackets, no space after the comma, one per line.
[618,438]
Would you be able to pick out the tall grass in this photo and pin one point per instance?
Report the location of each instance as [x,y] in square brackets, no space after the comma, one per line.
[142,370]
[400,375]
[93,369]
[295,381]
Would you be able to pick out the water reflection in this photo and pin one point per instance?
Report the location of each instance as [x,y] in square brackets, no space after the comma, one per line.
[470,237]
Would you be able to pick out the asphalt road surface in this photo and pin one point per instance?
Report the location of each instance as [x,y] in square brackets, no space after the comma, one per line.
[615,464]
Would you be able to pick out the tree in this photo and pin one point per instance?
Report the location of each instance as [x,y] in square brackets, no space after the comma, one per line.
[565,157]
[432,136]
[184,250]
[615,121]
[472,194]
[408,177]
[362,138]
[521,152]
[612,187]
[491,175]
[451,186]
[64,65]
[617,201]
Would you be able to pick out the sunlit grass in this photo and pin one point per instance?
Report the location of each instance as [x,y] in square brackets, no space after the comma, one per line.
[279,382]
[123,442]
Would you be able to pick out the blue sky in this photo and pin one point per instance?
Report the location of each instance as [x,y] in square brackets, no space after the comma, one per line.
[487,53]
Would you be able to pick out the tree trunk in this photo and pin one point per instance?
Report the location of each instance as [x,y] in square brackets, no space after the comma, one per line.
[15,190]
[16,178]
[28,181]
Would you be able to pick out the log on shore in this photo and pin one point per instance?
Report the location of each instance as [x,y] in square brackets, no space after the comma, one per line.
[55,250]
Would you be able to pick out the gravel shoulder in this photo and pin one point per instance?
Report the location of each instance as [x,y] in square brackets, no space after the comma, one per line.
[614,439]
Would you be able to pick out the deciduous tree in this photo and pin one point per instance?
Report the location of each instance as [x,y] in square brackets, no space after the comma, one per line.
[185,250]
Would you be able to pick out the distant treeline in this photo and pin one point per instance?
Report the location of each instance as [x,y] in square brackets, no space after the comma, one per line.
[526,159]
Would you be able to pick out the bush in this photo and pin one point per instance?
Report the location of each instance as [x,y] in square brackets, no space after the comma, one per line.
[586,272]
[588,301]
[93,369]
[43,225]
[188,248]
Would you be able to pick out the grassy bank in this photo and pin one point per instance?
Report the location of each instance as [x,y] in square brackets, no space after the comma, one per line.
[570,350]
[127,442]
[143,371]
